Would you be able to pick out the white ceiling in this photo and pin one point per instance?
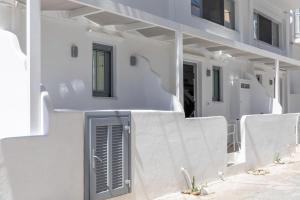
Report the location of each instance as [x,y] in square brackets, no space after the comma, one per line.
[67,5]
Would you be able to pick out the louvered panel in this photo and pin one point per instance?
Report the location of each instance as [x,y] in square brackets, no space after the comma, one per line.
[117,156]
[101,151]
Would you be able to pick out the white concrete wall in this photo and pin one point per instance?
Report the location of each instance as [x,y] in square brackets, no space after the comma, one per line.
[51,167]
[294,105]
[149,85]
[166,142]
[45,167]
[264,136]
[14,19]
[14,87]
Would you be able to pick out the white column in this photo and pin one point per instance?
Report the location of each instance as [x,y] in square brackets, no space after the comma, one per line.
[277,108]
[277,80]
[33,41]
[179,66]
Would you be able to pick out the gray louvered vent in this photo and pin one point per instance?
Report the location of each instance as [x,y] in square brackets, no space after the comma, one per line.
[110,157]
[117,156]
[102,153]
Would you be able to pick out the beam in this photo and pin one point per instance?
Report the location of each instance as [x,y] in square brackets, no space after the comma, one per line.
[134,26]
[83,11]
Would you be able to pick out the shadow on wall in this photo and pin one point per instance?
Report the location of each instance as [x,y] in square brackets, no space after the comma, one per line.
[166,142]
[266,136]
[155,95]
[261,101]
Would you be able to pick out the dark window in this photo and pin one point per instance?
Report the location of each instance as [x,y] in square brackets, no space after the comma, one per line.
[217,84]
[213,10]
[218,11]
[266,30]
[102,70]
[259,78]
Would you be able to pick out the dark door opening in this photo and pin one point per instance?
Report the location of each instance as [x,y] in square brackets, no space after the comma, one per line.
[189,77]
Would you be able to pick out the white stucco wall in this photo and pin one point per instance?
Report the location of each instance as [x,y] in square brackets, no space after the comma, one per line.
[45,167]
[264,136]
[294,105]
[69,80]
[14,19]
[14,87]
[51,167]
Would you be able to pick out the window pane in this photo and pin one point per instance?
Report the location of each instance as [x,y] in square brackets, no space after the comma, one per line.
[229,14]
[216,84]
[196,8]
[100,71]
[255,26]
[265,29]
[213,10]
[94,70]
[275,34]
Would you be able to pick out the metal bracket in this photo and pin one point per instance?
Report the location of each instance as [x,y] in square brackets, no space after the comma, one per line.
[128,182]
[127,128]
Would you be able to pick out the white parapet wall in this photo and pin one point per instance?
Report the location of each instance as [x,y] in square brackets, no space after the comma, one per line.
[45,167]
[165,142]
[265,137]
[52,167]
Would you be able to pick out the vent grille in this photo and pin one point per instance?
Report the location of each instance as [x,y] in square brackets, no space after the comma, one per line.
[102,153]
[117,156]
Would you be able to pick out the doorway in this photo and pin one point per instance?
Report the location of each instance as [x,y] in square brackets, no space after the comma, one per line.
[189,88]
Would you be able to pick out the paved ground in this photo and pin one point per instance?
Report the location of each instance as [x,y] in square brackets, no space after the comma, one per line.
[283,183]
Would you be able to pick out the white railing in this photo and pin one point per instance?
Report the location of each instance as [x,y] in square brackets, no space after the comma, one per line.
[233,139]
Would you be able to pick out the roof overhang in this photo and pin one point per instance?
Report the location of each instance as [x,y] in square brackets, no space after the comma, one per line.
[201,43]
[126,19]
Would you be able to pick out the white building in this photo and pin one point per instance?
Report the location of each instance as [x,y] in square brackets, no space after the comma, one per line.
[114,97]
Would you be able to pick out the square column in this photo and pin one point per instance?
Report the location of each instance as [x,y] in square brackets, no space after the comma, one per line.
[179,65]
[33,43]
[277,107]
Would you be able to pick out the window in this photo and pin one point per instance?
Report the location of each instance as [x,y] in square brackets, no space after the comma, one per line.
[218,11]
[102,70]
[217,84]
[266,30]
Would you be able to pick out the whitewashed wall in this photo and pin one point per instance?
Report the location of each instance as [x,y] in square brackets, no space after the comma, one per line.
[264,136]
[69,80]
[45,167]
[14,19]
[51,167]
[294,105]
[14,87]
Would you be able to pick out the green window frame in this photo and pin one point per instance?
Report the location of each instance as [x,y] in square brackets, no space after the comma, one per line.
[217,85]
[102,70]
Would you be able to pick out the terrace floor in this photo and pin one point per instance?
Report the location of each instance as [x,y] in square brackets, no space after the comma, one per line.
[282,183]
